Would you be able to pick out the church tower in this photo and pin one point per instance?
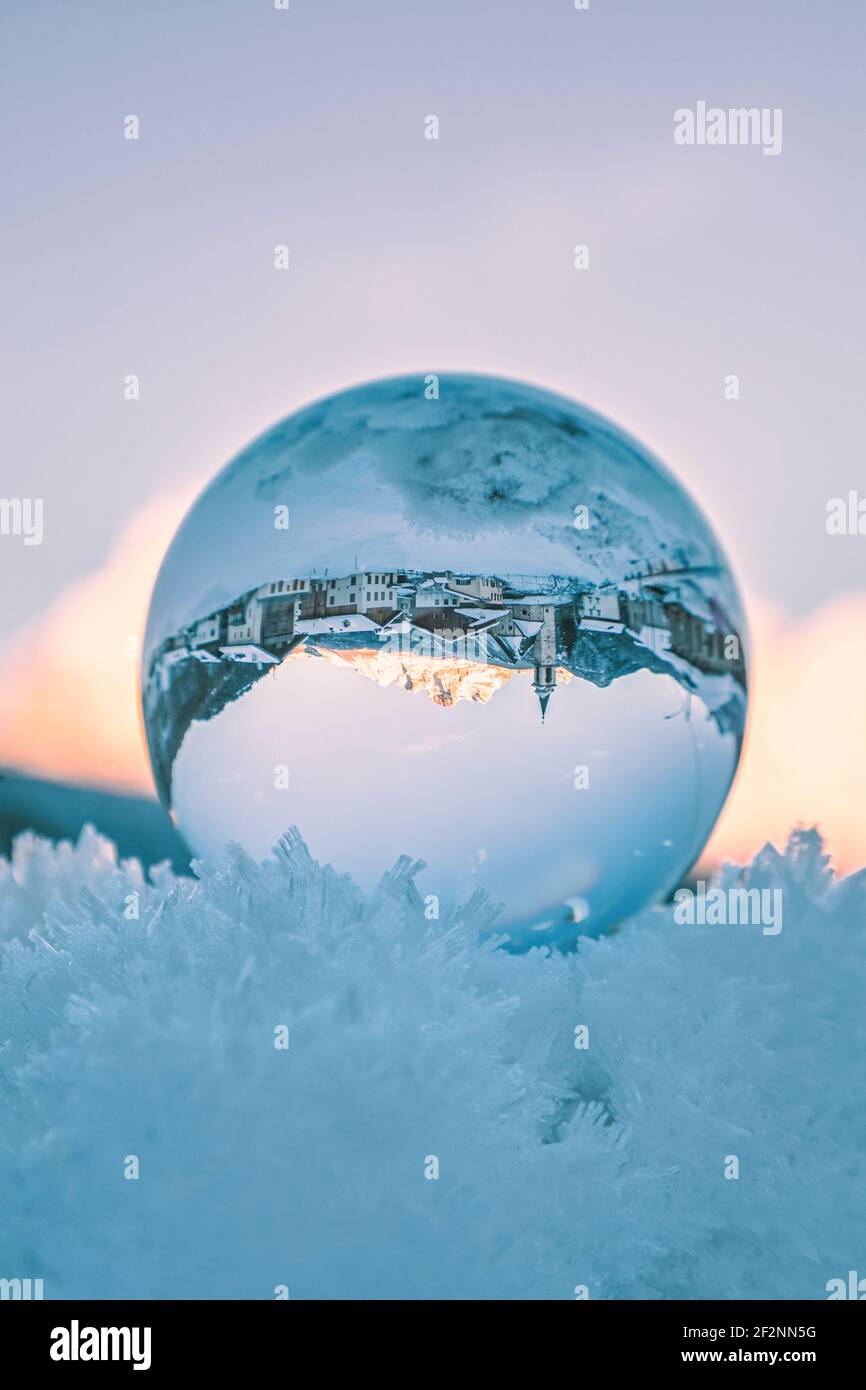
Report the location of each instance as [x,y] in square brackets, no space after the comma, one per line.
[544,658]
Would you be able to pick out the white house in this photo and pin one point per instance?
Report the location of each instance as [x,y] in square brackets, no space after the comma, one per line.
[478,586]
[361,591]
[601,603]
[436,593]
[244,621]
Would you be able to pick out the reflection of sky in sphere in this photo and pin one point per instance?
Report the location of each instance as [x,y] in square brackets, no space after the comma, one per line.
[414,753]
[484,794]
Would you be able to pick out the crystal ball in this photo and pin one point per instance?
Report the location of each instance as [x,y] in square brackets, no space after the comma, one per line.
[457,618]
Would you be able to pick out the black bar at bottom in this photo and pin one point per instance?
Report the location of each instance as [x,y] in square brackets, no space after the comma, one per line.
[157,1338]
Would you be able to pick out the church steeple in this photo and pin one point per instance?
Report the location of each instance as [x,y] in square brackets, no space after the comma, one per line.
[544,685]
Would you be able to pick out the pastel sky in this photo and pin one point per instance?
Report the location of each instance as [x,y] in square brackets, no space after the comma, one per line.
[306,127]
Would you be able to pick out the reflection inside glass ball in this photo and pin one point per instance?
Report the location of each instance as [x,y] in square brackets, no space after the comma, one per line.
[485,629]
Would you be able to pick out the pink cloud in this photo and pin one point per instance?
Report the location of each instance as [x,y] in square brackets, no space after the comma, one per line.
[805,756]
[69,699]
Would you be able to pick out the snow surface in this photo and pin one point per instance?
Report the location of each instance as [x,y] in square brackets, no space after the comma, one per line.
[410,1038]
[350,622]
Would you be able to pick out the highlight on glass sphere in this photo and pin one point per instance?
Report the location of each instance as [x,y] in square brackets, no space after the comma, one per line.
[458,618]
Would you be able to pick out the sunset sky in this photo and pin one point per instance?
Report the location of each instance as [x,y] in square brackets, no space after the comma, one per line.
[156,257]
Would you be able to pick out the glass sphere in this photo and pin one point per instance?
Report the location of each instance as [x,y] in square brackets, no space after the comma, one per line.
[462,619]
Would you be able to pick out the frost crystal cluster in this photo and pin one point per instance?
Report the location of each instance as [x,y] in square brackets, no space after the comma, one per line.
[331,1096]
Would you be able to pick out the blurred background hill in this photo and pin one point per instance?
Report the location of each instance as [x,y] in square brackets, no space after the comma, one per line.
[137,825]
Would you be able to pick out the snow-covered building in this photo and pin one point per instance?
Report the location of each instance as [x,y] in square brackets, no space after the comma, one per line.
[265,617]
[701,643]
[486,589]
[600,603]
[336,625]
[209,631]
[534,606]
[294,588]
[362,592]
[377,589]
[249,654]
[601,625]
[642,610]
[244,621]
[436,593]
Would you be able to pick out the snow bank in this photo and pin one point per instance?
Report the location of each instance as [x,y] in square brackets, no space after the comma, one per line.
[153,1035]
